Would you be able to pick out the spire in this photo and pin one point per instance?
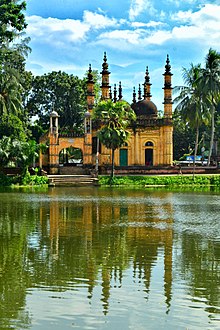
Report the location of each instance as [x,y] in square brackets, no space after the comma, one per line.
[89,75]
[134,95]
[120,91]
[105,65]
[110,92]
[168,66]
[139,92]
[105,79]
[167,89]
[147,84]
[115,93]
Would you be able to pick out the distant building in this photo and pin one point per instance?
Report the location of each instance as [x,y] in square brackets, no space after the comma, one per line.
[151,137]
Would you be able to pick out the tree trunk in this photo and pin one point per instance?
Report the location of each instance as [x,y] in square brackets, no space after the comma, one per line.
[212,135]
[113,167]
[195,152]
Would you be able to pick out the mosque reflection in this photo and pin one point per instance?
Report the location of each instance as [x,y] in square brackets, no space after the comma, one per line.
[91,238]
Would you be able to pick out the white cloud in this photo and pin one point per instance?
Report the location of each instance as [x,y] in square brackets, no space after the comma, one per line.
[98,21]
[137,7]
[202,25]
[152,24]
[53,29]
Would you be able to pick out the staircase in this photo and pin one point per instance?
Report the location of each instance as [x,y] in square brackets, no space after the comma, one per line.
[72,180]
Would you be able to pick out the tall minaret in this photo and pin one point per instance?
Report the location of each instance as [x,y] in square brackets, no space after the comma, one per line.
[105,79]
[167,90]
[90,90]
[147,84]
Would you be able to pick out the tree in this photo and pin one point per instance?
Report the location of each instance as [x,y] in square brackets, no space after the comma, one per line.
[61,91]
[12,19]
[114,118]
[13,50]
[210,86]
[189,102]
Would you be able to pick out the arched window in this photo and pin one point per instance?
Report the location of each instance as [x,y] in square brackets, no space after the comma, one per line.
[149,144]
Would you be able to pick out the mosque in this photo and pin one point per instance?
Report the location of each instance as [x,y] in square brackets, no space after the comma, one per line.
[151,136]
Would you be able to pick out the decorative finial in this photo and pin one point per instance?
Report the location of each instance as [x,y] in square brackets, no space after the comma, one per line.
[120,91]
[90,76]
[134,95]
[147,78]
[105,64]
[167,66]
[139,92]
[115,93]
[110,92]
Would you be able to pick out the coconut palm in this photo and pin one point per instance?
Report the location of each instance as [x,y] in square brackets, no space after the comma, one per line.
[209,82]
[10,92]
[189,102]
[114,118]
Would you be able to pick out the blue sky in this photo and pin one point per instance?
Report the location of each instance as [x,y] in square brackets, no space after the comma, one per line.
[68,35]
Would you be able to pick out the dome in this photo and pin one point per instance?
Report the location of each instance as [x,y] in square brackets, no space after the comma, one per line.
[145,108]
[54,114]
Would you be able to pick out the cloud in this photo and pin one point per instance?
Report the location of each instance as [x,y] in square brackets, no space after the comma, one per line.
[137,7]
[98,21]
[152,24]
[52,29]
[201,25]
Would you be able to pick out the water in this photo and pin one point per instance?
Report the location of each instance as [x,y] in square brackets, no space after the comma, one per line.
[95,258]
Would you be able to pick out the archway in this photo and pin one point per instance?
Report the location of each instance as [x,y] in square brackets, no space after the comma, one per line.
[71,156]
[149,153]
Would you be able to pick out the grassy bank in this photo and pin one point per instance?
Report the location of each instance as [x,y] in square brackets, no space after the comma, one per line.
[27,180]
[163,180]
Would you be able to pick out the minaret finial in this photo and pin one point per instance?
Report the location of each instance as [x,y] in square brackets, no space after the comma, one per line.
[147,84]
[105,64]
[115,93]
[110,92]
[139,92]
[167,66]
[134,95]
[90,76]
[120,91]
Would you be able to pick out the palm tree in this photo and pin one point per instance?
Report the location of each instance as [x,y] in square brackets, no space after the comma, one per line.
[209,82]
[114,119]
[10,92]
[189,102]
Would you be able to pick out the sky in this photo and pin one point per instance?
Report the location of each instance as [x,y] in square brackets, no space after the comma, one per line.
[68,35]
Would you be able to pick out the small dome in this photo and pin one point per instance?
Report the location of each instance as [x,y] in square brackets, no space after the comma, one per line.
[54,114]
[145,108]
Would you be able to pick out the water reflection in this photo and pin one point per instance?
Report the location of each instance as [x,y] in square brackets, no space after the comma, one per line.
[115,249]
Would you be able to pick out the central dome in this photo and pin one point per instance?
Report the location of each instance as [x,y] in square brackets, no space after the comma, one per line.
[145,108]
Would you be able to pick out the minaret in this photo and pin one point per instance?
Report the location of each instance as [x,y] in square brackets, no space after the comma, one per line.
[167,90]
[134,95]
[105,79]
[120,91]
[139,93]
[147,84]
[115,94]
[90,90]
[53,143]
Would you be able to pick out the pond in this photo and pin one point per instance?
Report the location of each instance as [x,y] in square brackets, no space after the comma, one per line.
[101,258]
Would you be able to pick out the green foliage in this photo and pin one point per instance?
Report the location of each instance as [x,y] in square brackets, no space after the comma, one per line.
[33,180]
[114,118]
[17,152]
[172,180]
[61,91]
[12,19]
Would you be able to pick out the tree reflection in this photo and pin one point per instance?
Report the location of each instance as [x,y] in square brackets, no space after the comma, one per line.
[62,240]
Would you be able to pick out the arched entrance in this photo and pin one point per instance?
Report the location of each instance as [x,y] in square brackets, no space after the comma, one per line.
[71,156]
[149,153]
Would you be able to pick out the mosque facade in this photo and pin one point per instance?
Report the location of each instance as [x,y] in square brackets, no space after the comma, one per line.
[150,143]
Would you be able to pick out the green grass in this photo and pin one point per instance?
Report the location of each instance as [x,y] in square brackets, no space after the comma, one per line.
[163,180]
